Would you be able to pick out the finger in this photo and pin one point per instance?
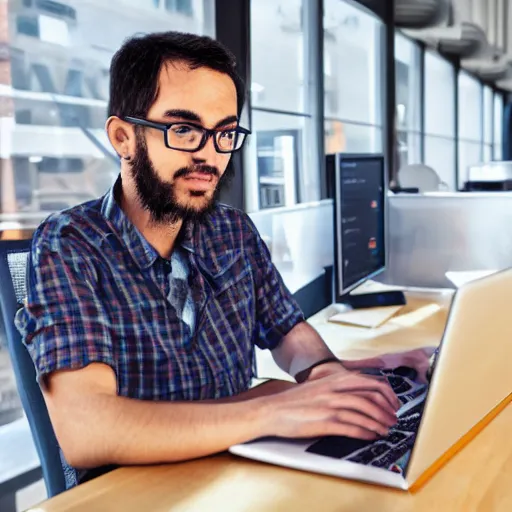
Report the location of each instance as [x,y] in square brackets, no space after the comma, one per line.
[363,383]
[422,376]
[356,419]
[365,406]
[393,400]
[429,351]
[378,378]
[379,400]
[371,362]
[337,428]
[386,390]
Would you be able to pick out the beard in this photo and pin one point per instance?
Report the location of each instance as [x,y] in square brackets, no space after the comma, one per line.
[159,197]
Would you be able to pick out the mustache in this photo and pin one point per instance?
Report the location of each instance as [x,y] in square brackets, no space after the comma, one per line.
[206,169]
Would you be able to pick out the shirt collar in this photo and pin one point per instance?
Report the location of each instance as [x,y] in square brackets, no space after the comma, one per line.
[203,239]
[140,249]
[187,237]
[213,242]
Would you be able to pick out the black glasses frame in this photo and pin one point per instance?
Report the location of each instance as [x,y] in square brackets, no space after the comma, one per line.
[207,133]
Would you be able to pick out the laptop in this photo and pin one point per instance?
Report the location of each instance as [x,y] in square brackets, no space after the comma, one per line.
[470,384]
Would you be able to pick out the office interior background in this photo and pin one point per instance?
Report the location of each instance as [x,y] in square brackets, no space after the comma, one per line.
[422,81]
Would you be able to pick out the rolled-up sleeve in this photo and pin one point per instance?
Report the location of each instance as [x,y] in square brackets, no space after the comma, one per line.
[277,311]
[63,323]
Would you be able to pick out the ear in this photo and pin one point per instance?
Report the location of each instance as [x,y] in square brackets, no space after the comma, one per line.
[122,137]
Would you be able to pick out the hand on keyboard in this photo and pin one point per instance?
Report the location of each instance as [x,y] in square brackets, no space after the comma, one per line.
[344,403]
[418,359]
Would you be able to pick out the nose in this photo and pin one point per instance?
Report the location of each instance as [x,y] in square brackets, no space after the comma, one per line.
[207,154]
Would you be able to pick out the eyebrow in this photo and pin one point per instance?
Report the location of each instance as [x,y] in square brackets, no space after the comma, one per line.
[188,115]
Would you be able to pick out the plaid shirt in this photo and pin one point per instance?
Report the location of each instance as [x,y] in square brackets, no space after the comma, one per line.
[99,292]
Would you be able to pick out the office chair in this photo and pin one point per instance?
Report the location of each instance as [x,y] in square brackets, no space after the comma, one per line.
[420,176]
[13,263]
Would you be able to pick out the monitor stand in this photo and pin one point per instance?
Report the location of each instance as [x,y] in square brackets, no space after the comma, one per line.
[374,299]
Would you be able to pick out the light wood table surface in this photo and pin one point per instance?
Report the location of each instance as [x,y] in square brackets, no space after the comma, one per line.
[479,478]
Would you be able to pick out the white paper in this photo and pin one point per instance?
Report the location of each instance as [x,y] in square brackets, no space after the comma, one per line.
[461,278]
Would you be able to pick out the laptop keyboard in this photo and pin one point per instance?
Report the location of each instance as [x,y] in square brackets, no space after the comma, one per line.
[390,452]
[403,381]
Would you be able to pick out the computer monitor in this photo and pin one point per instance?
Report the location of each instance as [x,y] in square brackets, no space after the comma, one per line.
[358,189]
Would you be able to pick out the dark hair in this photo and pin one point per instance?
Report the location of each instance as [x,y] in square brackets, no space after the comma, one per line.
[136,66]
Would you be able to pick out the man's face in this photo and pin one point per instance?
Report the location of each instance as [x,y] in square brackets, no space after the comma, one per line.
[174,184]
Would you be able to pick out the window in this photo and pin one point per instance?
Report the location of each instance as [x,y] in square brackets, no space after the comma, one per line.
[277,51]
[59,154]
[408,94]
[341,136]
[28,26]
[352,79]
[180,6]
[470,123]
[56,8]
[498,126]
[281,168]
[488,120]
[278,139]
[53,30]
[53,146]
[439,108]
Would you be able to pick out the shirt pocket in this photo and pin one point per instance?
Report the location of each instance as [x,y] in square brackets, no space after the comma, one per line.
[229,329]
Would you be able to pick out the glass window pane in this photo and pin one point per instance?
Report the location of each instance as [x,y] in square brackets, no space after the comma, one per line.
[352,63]
[279,161]
[470,107]
[440,155]
[353,138]
[498,126]
[488,108]
[408,86]
[439,96]
[409,148]
[487,154]
[180,6]
[470,153]
[277,55]
[59,154]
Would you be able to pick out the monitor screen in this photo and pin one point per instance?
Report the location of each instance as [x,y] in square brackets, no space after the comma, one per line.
[359,204]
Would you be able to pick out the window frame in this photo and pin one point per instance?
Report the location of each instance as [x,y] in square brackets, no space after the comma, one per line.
[308,185]
[418,131]
[454,139]
[460,140]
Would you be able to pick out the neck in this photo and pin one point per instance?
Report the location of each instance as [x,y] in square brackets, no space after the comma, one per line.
[161,236]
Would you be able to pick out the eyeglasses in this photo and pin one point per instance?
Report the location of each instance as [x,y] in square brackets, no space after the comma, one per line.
[192,137]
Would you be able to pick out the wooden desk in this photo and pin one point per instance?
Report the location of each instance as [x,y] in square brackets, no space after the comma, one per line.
[419,324]
[477,479]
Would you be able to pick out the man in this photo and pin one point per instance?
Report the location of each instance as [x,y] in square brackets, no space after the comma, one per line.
[144,306]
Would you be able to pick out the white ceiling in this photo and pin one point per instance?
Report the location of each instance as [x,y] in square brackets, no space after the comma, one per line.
[477,31]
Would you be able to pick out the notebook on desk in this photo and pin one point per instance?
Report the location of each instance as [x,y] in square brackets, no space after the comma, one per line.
[371,318]
[470,385]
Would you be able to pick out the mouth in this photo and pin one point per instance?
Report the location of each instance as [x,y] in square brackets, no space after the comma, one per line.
[199,180]
[201,176]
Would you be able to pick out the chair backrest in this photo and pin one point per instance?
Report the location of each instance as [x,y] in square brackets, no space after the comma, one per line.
[420,176]
[13,290]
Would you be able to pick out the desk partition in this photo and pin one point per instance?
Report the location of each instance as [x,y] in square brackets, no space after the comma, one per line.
[431,234]
[427,236]
[300,239]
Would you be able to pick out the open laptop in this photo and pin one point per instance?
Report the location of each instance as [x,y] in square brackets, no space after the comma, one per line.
[471,383]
